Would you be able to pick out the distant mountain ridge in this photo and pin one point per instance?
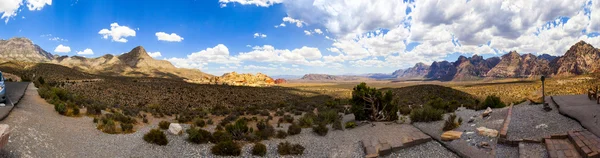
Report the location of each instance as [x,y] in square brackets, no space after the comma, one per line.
[23,49]
[581,58]
[326,77]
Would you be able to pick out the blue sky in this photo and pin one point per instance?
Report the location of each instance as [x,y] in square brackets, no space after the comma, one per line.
[319,36]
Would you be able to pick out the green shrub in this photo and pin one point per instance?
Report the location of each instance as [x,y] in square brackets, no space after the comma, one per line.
[451,122]
[126,127]
[259,149]
[210,122]
[76,110]
[226,148]
[145,120]
[367,101]
[493,102]
[294,129]
[265,130]
[321,129]
[199,122]
[155,136]
[307,120]
[198,135]
[109,127]
[221,136]
[337,125]
[327,116]
[426,114]
[281,134]
[350,124]
[238,129]
[164,124]
[288,118]
[60,108]
[95,120]
[286,148]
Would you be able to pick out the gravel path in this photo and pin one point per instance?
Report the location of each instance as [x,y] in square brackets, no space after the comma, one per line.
[467,144]
[38,131]
[504,151]
[427,150]
[532,150]
[532,122]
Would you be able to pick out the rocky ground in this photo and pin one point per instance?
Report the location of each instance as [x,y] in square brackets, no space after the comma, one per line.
[470,140]
[532,122]
[38,131]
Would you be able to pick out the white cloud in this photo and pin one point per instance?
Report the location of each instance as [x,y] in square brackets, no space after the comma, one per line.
[10,8]
[218,54]
[154,54]
[38,4]
[269,54]
[87,51]
[299,23]
[308,33]
[318,31]
[254,67]
[162,36]
[62,49]
[280,25]
[595,16]
[259,35]
[118,33]
[261,3]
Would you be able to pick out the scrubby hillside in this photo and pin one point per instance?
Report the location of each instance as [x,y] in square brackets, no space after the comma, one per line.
[421,94]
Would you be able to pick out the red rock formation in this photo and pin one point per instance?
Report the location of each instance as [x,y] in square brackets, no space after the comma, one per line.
[280,81]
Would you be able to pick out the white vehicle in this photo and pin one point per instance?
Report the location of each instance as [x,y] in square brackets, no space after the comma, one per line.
[2,89]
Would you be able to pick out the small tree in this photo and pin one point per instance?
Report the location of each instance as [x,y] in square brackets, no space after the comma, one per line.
[371,104]
[493,101]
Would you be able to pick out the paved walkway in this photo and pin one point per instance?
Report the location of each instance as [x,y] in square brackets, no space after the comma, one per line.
[14,91]
[579,107]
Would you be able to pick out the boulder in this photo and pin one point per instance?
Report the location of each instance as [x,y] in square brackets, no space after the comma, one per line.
[4,134]
[175,129]
[451,135]
[487,112]
[487,132]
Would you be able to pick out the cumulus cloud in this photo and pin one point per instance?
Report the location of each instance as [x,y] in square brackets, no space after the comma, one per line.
[87,51]
[268,53]
[154,54]
[308,33]
[62,49]
[259,35]
[162,36]
[261,3]
[118,33]
[38,4]
[318,31]
[218,54]
[10,8]
[299,23]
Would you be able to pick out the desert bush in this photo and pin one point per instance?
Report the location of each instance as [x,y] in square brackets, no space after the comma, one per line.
[210,122]
[94,109]
[199,122]
[76,110]
[493,101]
[320,129]
[286,148]
[337,125]
[259,149]
[95,120]
[288,118]
[350,124]
[164,124]
[126,127]
[265,113]
[294,129]
[60,108]
[198,135]
[281,134]
[109,127]
[145,120]
[228,119]
[156,136]
[279,113]
[371,104]
[265,130]
[426,114]
[238,129]
[226,148]
[307,120]
[451,122]
[221,136]
[327,116]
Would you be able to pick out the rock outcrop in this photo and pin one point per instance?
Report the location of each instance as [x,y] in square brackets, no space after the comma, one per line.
[514,65]
[443,71]
[280,81]
[22,49]
[581,58]
[420,70]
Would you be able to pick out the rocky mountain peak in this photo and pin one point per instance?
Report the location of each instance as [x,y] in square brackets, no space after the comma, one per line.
[23,49]
[133,57]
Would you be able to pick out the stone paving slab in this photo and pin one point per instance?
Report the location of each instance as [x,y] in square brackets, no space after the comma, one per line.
[581,108]
[561,148]
[381,145]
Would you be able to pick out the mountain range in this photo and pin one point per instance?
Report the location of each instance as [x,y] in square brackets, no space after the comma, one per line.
[135,63]
[581,58]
